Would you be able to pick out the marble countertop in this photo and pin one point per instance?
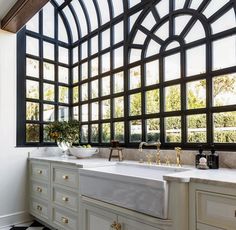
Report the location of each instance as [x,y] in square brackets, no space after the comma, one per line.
[220,177]
[80,163]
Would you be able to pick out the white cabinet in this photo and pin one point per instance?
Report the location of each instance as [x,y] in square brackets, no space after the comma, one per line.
[212,207]
[54,194]
[97,215]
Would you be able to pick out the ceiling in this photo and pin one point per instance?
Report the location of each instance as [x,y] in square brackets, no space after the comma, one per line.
[5,6]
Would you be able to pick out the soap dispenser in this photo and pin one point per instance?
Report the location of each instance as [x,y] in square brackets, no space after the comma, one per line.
[199,156]
[213,159]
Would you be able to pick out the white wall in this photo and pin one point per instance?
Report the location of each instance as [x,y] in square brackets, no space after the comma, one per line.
[13,161]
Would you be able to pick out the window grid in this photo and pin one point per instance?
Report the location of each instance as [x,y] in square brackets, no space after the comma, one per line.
[181,80]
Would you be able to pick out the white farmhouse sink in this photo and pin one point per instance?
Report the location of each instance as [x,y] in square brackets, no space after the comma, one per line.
[133,186]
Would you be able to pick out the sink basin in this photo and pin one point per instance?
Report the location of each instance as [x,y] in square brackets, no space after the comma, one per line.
[133,186]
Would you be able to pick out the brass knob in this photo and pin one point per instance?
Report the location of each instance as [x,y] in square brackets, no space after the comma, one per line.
[39,208]
[65,177]
[113,225]
[40,171]
[64,220]
[66,199]
[39,189]
[116,226]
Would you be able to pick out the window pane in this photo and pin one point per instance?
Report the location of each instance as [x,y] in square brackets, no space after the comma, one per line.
[94,89]
[48,20]
[84,71]
[106,86]
[135,55]
[135,77]
[180,22]
[32,46]
[119,131]
[118,82]
[63,55]
[225,22]
[118,32]
[32,89]
[94,133]
[84,133]
[172,98]
[152,48]
[48,112]
[224,90]
[62,33]
[135,104]
[84,110]
[32,67]
[75,94]
[63,113]
[76,113]
[32,133]
[32,111]
[118,107]
[75,52]
[95,111]
[48,71]
[92,14]
[152,72]
[48,92]
[197,32]
[197,128]
[149,21]
[135,131]
[106,109]
[173,129]
[224,54]
[117,7]
[63,94]
[46,138]
[94,67]
[225,127]
[106,133]
[196,60]
[75,74]
[152,101]
[84,91]
[63,75]
[172,67]
[33,24]
[105,59]
[48,51]
[163,31]
[94,45]
[196,94]
[214,6]
[118,57]
[162,8]
[153,130]
[105,39]
[84,50]
[104,10]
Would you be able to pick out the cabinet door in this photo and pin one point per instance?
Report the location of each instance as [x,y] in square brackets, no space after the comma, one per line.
[129,224]
[94,218]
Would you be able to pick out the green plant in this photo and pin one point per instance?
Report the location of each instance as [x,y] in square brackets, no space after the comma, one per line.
[67,131]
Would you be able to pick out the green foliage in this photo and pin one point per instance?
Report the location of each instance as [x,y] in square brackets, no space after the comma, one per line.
[67,131]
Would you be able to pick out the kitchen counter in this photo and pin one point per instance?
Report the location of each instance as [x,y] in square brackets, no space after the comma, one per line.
[80,163]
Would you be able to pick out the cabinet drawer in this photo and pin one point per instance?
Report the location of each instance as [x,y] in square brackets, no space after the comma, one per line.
[65,176]
[39,209]
[65,198]
[40,171]
[39,189]
[64,219]
[216,210]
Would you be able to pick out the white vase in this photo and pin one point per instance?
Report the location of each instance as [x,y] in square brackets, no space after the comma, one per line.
[64,146]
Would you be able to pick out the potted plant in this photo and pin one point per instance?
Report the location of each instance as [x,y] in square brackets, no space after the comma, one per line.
[65,133]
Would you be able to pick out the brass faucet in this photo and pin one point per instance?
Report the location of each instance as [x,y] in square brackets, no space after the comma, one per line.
[178,154]
[149,156]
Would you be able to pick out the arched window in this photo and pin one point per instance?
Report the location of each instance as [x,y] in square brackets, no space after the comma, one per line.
[131,70]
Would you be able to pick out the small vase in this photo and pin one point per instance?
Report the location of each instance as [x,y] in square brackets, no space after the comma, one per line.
[64,146]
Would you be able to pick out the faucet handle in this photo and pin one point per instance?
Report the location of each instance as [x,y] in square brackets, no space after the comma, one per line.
[178,153]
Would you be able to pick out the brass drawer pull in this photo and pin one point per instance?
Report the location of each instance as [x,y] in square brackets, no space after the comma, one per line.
[116,226]
[39,208]
[40,172]
[39,189]
[66,199]
[64,220]
[65,177]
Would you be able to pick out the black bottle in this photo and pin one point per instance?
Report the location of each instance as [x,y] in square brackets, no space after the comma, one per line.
[213,159]
[199,155]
